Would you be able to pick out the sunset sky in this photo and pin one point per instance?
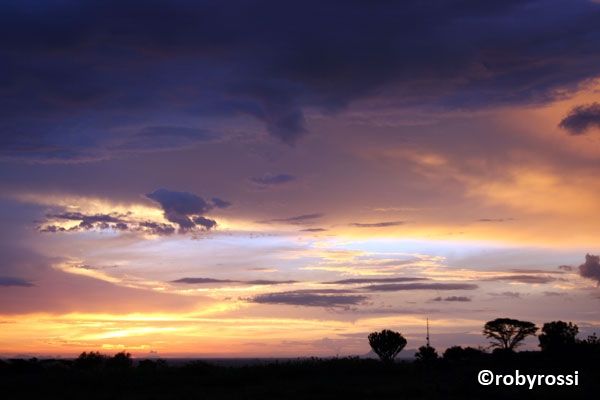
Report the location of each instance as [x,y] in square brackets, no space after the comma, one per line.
[270,179]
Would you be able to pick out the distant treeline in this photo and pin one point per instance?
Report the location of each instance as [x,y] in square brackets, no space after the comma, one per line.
[451,375]
[557,338]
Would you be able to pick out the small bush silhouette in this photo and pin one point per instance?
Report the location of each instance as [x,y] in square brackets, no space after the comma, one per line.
[558,336]
[387,344]
[507,333]
[426,354]
[590,346]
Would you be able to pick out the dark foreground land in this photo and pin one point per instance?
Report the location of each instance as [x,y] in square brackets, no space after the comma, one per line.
[344,378]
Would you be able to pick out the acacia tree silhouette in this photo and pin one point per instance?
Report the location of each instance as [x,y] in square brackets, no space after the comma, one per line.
[558,336]
[387,344]
[507,333]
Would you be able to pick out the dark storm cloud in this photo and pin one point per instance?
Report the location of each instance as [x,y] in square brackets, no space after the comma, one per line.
[81,81]
[203,281]
[453,298]
[311,298]
[533,278]
[269,179]
[186,209]
[419,286]
[373,280]
[581,119]
[591,268]
[12,281]
[378,224]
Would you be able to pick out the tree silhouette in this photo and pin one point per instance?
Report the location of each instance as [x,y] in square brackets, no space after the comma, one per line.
[507,333]
[426,354]
[387,344]
[558,336]
[121,361]
[458,353]
[91,360]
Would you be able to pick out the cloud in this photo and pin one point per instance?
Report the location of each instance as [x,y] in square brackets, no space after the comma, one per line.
[581,119]
[495,220]
[205,64]
[377,224]
[207,223]
[112,221]
[419,286]
[298,219]
[553,294]
[591,268]
[185,209]
[101,221]
[535,271]
[314,230]
[567,268]
[220,203]
[196,281]
[203,281]
[513,295]
[532,279]
[269,179]
[373,280]
[12,281]
[156,228]
[311,298]
[162,137]
[262,269]
[453,298]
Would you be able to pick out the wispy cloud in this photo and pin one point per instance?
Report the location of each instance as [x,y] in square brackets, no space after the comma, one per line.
[297,219]
[14,281]
[383,224]
[312,298]
[206,281]
[373,280]
[270,179]
[453,299]
[531,279]
[420,286]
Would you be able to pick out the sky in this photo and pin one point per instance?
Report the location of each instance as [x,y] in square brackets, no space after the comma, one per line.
[277,179]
